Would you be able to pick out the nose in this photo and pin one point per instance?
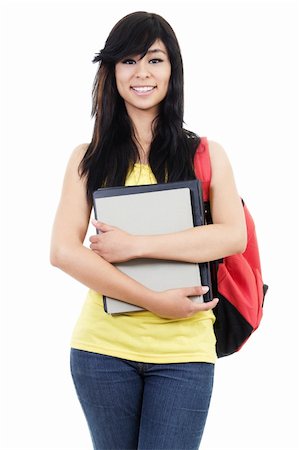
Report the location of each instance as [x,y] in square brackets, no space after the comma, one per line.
[142,69]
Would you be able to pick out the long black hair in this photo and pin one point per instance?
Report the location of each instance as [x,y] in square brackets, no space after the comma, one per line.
[113,151]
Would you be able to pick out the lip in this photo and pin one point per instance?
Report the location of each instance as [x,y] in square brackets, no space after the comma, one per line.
[142,94]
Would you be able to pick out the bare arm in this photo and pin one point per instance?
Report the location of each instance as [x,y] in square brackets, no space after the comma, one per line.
[70,255]
[226,236]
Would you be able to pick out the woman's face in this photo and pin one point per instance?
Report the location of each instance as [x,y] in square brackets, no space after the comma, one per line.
[143,83]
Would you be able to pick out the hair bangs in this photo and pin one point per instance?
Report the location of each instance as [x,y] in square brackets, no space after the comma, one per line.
[125,40]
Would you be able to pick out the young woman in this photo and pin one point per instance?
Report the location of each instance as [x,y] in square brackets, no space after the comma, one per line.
[144,380]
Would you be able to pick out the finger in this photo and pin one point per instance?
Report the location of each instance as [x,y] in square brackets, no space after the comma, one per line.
[95,250]
[94,238]
[206,305]
[101,225]
[195,290]
[95,222]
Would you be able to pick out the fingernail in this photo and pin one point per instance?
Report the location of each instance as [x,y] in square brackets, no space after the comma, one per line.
[205,289]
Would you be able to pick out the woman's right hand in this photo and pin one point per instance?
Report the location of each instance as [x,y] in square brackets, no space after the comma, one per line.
[176,304]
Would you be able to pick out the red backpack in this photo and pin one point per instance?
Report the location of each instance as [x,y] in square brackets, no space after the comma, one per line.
[236,279]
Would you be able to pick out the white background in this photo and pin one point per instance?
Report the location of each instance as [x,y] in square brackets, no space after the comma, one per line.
[241,89]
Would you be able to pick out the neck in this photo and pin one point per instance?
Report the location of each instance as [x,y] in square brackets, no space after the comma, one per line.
[142,121]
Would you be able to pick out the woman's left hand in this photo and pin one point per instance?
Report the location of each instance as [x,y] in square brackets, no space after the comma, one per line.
[113,244]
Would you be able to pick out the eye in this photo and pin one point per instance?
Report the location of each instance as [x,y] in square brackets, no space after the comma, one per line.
[129,61]
[155,61]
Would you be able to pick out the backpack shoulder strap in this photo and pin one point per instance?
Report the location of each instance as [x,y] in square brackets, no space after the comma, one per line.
[202,166]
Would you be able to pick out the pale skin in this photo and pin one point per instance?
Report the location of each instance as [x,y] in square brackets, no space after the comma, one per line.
[92,266]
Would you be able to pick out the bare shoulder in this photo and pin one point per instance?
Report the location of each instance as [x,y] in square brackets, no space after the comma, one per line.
[218,155]
[216,150]
[78,153]
[81,148]
[220,163]
[75,159]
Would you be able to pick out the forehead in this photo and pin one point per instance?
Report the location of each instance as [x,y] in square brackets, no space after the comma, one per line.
[157,46]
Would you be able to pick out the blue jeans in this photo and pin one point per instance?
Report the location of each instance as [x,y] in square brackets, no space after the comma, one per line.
[130,405]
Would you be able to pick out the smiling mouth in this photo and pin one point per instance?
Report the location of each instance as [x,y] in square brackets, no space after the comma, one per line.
[143,89]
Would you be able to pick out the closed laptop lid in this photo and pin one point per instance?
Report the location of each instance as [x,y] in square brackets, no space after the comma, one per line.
[168,208]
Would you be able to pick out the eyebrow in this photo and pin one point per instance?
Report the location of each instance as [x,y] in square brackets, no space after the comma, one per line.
[156,50]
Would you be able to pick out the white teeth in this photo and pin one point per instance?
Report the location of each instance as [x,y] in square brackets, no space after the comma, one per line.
[143,89]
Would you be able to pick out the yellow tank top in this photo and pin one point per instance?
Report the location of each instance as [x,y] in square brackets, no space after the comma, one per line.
[143,336]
